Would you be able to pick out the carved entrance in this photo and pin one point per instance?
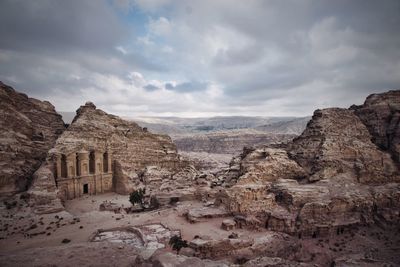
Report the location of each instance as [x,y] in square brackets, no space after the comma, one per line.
[85,188]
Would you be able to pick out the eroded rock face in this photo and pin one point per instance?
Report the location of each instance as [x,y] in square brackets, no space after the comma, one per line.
[28,129]
[43,194]
[336,142]
[381,114]
[270,244]
[330,179]
[265,165]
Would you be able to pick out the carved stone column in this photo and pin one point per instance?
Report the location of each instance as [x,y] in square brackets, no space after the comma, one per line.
[83,161]
[71,168]
[109,160]
[98,159]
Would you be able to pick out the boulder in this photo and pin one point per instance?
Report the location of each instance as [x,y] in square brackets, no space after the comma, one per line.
[228,224]
[197,214]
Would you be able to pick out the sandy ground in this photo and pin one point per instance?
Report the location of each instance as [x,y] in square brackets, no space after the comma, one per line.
[82,218]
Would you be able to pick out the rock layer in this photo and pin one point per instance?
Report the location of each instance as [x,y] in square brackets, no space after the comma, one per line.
[381,114]
[228,142]
[28,129]
[336,142]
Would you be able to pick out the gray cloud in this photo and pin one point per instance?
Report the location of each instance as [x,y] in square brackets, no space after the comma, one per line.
[58,25]
[151,87]
[221,57]
[187,86]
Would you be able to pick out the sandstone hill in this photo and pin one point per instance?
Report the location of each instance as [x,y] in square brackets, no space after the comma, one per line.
[132,147]
[28,129]
[336,175]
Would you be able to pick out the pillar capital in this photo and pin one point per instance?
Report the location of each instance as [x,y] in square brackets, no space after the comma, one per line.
[83,155]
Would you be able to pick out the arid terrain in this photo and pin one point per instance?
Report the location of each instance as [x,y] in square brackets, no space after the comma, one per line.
[318,191]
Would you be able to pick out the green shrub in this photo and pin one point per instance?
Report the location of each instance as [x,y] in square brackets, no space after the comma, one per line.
[177,243]
[137,197]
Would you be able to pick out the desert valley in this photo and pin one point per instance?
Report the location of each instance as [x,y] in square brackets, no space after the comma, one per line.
[201,133]
[328,195]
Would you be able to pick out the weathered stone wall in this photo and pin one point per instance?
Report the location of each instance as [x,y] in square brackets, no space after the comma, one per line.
[28,129]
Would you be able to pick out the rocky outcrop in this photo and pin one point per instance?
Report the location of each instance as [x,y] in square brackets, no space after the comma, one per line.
[28,129]
[381,114]
[197,214]
[246,199]
[43,194]
[328,180]
[265,165]
[337,142]
[235,249]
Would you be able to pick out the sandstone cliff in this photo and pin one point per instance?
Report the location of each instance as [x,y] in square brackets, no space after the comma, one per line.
[337,142]
[381,114]
[329,179]
[28,129]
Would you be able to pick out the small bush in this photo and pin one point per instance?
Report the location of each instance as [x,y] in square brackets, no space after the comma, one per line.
[137,197]
[177,243]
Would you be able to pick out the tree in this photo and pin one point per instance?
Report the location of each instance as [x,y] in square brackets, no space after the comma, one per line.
[176,242]
[137,196]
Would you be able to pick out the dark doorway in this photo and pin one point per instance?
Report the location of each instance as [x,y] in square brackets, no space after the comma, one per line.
[85,188]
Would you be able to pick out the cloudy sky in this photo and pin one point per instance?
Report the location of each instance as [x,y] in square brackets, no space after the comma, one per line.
[200,58]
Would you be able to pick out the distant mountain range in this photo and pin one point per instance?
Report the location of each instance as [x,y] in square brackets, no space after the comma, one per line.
[222,135]
[175,126]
